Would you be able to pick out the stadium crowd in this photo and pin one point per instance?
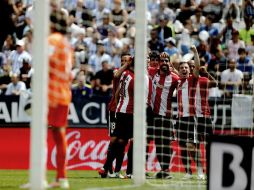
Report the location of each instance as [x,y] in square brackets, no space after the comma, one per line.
[100,31]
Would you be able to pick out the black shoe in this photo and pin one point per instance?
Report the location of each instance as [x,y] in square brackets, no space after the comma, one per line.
[163,175]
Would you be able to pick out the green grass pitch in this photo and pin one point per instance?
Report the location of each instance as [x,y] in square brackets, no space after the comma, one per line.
[90,180]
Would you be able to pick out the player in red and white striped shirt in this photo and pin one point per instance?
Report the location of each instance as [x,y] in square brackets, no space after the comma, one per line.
[202,109]
[186,111]
[164,83]
[111,153]
[124,116]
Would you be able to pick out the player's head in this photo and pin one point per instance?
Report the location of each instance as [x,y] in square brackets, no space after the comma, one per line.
[125,58]
[191,64]
[164,62]
[154,59]
[184,70]
[58,21]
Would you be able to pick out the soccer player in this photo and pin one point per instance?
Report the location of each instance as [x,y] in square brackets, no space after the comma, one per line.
[154,57]
[202,110]
[124,117]
[164,82]
[59,93]
[186,111]
[111,153]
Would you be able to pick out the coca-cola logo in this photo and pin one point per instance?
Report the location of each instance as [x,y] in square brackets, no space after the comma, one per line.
[93,153]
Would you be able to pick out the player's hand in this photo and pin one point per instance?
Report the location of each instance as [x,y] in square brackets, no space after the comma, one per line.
[194,49]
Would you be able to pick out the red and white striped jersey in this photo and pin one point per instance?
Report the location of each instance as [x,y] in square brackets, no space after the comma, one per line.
[201,98]
[112,104]
[126,101]
[186,91]
[163,87]
[148,83]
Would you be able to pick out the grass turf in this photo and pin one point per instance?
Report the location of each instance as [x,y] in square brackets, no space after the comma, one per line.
[81,180]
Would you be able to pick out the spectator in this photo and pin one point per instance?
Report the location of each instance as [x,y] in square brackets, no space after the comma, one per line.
[248,11]
[171,46]
[227,31]
[214,9]
[28,37]
[231,79]
[99,12]
[17,56]
[165,10]
[208,26]
[250,48]
[26,72]
[187,8]
[232,11]
[100,56]
[105,25]
[197,20]
[82,15]
[233,45]
[7,9]
[244,62]
[16,86]
[5,78]
[119,17]
[246,87]
[113,47]
[245,33]
[19,19]
[81,90]
[91,42]
[154,44]
[163,30]
[9,45]
[204,53]
[104,80]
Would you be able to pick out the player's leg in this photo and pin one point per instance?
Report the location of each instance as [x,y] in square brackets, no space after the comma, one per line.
[162,143]
[111,152]
[183,139]
[61,146]
[124,131]
[57,119]
[129,170]
[150,129]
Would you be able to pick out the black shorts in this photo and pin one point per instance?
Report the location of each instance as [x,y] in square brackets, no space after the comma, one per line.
[163,127]
[112,123]
[185,128]
[124,125]
[204,128]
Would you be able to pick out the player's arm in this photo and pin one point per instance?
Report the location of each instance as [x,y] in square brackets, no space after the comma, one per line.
[212,81]
[196,60]
[118,73]
[173,69]
[117,94]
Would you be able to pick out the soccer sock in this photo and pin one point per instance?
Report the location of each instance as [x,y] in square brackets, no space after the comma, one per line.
[111,154]
[130,159]
[185,159]
[61,146]
[119,154]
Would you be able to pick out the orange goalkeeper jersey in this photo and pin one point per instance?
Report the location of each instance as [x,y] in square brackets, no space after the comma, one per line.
[60,65]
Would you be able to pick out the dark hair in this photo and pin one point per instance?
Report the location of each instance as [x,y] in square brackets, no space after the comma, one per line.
[58,21]
[132,61]
[125,54]
[154,54]
[241,50]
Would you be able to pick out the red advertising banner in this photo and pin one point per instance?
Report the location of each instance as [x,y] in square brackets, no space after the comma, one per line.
[87,150]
